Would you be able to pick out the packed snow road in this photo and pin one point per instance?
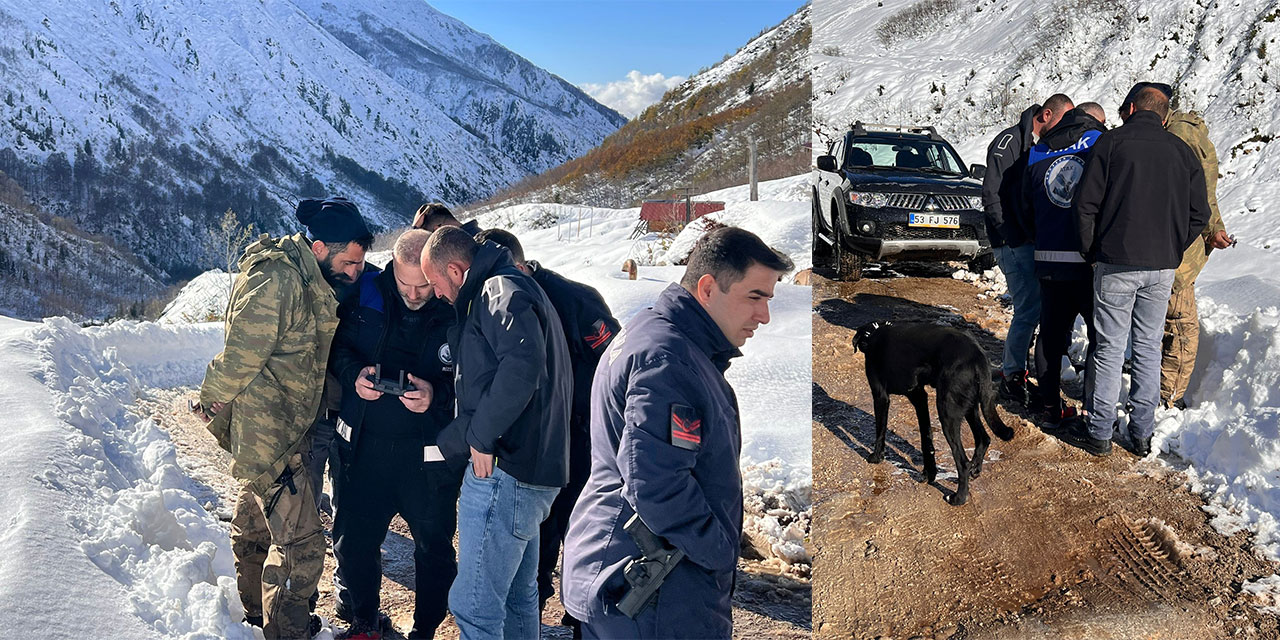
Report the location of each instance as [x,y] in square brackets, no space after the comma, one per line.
[1052,544]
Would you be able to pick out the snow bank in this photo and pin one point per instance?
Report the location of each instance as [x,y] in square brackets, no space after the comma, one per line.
[135,514]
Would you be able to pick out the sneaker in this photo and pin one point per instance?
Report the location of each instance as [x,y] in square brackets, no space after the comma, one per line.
[1014,387]
[316,625]
[1075,432]
[361,630]
[572,622]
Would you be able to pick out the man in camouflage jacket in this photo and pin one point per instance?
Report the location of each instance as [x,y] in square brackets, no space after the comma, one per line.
[261,395]
[1182,323]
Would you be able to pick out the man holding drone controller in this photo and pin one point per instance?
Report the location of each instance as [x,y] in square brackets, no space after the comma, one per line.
[393,351]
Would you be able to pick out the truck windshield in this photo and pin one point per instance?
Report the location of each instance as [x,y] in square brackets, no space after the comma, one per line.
[899,153]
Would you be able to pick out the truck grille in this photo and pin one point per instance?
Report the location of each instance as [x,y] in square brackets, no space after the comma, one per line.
[952,203]
[900,231]
[912,201]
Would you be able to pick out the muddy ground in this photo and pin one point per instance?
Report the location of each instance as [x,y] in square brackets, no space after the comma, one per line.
[768,603]
[1053,543]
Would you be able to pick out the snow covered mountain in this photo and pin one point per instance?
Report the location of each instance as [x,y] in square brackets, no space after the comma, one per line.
[144,120]
[696,137]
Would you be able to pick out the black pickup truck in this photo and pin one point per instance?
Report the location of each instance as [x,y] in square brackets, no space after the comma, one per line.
[890,192]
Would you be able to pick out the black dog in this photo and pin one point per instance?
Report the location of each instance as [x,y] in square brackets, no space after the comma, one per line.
[902,359]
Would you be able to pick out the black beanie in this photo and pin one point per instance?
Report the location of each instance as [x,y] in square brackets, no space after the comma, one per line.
[332,220]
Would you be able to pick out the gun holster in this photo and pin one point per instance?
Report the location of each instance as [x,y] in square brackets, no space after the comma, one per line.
[645,574]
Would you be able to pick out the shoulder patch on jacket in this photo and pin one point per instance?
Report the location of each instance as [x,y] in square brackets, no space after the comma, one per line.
[599,336]
[686,427]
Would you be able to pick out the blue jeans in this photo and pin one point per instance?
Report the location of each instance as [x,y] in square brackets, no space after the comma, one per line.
[1018,264]
[496,592]
[1129,304]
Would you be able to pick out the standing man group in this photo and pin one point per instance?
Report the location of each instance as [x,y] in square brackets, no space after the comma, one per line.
[464,400]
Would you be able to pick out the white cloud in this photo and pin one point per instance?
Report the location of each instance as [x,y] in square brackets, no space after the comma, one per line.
[631,96]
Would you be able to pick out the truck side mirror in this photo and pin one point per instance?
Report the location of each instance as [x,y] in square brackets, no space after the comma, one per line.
[977,171]
[826,163]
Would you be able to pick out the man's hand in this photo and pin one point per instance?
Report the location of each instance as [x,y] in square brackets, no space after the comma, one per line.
[420,400]
[205,414]
[481,463]
[364,388]
[1220,240]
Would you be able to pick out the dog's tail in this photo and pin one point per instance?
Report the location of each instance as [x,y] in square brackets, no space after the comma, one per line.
[997,425]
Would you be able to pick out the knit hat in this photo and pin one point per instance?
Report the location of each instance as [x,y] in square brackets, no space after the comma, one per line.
[332,220]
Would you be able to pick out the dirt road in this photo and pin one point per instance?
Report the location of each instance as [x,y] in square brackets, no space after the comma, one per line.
[1053,543]
[767,603]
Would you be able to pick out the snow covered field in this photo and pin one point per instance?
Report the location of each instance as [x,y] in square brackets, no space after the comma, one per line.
[103,531]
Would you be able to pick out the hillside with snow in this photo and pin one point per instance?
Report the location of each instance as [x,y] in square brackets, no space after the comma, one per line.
[143,120]
[970,69]
[109,533]
[696,137]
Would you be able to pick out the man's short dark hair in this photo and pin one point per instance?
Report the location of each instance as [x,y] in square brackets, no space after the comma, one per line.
[1152,99]
[365,242]
[1058,103]
[432,214]
[727,253]
[1093,109]
[503,238]
[450,244]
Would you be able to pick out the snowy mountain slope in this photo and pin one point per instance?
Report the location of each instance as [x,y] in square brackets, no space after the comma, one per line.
[696,137]
[970,68]
[140,113]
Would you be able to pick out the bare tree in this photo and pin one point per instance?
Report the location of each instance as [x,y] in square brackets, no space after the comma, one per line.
[230,238]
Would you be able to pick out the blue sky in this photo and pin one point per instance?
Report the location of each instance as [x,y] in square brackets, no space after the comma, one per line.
[622,51]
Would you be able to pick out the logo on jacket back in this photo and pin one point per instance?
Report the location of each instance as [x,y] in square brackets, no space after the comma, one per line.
[1061,179]
[446,356]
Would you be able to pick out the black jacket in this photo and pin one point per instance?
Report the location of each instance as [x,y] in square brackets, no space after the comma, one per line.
[1142,199]
[589,327]
[379,329]
[513,378]
[1001,186]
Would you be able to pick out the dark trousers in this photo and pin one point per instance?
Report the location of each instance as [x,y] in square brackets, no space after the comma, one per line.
[551,534]
[388,477]
[1060,302]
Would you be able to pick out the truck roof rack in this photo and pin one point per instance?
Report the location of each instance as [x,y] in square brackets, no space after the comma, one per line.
[861,128]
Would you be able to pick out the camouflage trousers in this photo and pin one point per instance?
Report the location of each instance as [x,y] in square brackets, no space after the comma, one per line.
[279,547]
[1178,349]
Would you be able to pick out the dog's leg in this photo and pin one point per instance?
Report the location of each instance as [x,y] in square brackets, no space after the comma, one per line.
[920,400]
[980,442]
[951,416]
[881,400]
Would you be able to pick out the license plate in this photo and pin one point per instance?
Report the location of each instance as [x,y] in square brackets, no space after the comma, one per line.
[936,220]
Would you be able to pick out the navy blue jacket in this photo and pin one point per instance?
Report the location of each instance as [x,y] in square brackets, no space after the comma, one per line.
[513,379]
[1054,169]
[665,443]
[379,329]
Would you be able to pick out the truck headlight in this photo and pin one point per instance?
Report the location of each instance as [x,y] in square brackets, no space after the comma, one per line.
[975,202]
[872,200]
